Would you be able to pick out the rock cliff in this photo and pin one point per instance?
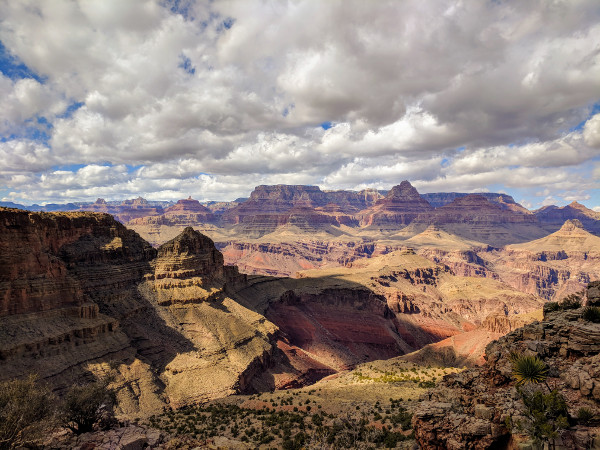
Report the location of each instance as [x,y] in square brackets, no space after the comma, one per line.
[554,266]
[552,217]
[503,200]
[401,205]
[126,211]
[83,295]
[469,410]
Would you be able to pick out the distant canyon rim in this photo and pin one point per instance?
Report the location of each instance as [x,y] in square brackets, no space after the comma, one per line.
[195,302]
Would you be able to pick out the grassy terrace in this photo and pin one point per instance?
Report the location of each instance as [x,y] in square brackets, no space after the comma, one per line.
[369,407]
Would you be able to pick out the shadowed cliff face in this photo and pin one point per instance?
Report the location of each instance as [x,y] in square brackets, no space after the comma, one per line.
[161,318]
[83,296]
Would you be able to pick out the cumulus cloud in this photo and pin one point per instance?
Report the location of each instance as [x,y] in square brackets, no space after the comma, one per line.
[209,98]
[591,131]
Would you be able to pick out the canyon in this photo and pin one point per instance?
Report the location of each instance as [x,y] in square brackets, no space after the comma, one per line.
[284,230]
[83,297]
[187,303]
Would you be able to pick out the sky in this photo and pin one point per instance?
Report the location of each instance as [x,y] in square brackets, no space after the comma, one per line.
[167,99]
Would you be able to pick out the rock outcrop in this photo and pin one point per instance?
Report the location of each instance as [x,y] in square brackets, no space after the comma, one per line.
[475,209]
[306,208]
[469,410]
[83,296]
[503,200]
[401,205]
[551,267]
[126,211]
[552,217]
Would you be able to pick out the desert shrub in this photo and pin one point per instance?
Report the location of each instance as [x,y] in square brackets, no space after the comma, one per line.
[26,412]
[427,384]
[402,418]
[591,314]
[528,369]
[584,415]
[572,301]
[86,405]
[546,415]
[551,307]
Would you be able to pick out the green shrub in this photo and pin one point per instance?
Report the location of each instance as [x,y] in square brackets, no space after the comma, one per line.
[585,416]
[572,301]
[86,405]
[546,415]
[591,314]
[529,369]
[26,412]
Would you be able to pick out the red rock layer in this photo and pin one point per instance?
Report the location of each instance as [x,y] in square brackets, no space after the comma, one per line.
[475,208]
[126,211]
[338,327]
[401,205]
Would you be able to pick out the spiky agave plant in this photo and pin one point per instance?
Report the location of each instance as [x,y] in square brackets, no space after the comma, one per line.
[529,369]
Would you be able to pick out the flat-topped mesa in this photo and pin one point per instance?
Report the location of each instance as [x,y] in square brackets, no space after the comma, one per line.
[126,211]
[475,208]
[437,199]
[351,202]
[186,212]
[270,207]
[400,206]
[276,199]
[187,206]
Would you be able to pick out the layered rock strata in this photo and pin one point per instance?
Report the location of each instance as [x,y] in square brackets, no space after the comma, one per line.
[160,321]
[552,217]
[469,410]
[551,267]
[401,205]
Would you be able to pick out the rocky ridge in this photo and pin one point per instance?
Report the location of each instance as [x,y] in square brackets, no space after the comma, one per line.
[401,205]
[469,410]
[554,266]
[160,320]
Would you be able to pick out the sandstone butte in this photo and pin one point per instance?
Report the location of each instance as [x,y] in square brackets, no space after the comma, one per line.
[83,296]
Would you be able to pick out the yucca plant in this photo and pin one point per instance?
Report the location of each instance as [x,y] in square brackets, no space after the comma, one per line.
[528,369]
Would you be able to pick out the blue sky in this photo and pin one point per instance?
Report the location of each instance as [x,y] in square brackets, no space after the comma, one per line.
[166,99]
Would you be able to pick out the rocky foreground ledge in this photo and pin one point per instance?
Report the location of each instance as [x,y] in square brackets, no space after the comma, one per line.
[473,409]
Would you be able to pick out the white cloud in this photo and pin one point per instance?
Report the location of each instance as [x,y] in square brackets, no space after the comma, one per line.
[591,131]
[232,93]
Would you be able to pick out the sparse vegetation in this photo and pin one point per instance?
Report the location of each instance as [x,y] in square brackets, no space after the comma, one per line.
[585,415]
[86,405]
[591,314]
[26,412]
[291,429]
[546,415]
[572,301]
